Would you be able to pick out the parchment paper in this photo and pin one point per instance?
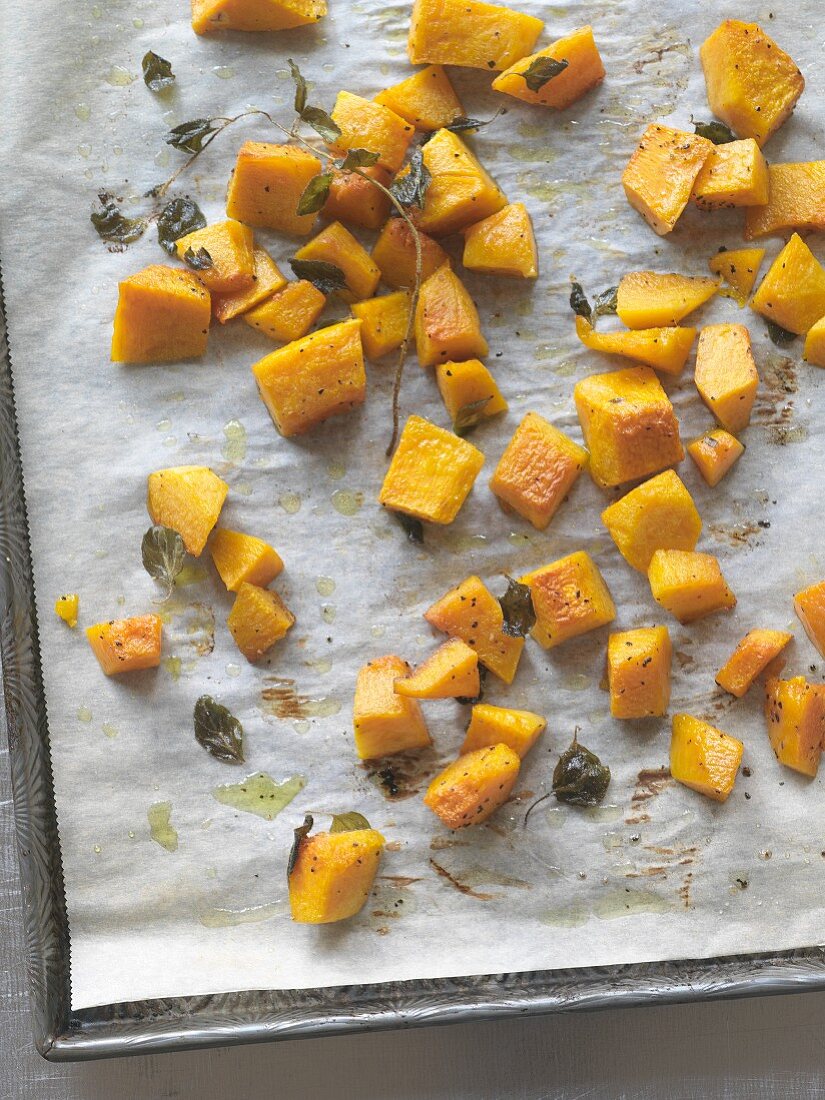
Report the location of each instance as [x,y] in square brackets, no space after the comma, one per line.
[647,876]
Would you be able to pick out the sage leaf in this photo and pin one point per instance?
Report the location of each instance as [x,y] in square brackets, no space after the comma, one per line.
[778,335]
[579,303]
[218,731]
[162,552]
[300,834]
[411,188]
[580,777]
[461,124]
[177,219]
[198,261]
[413,528]
[157,72]
[348,823]
[606,303]
[321,123]
[469,416]
[541,71]
[300,86]
[358,158]
[112,225]
[190,136]
[717,132]
[315,194]
[517,608]
[327,277]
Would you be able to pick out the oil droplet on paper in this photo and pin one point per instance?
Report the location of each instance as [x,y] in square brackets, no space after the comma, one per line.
[624,903]
[565,916]
[190,574]
[97,849]
[163,425]
[290,502]
[228,918]
[260,794]
[378,630]
[234,448]
[301,725]
[517,538]
[172,666]
[336,470]
[325,586]
[83,112]
[603,813]
[233,670]
[84,149]
[328,613]
[109,729]
[577,682]
[322,665]
[346,502]
[119,77]
[223,72]
[83,713]
[160,828]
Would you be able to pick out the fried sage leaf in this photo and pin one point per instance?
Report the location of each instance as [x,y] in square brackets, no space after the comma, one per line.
[778,335]
[190,136]
[218,731]
[348,823]
[300,85]
[411,188]
[315,194]
[518,610]
[469,416]
[300,834]
[413,528]
[717,132]
[580,778]
[112,225]
[198,261]
[178,218]
[327,277]
[579,303]
[157,72]
[541,72]
[163,554]
[358,158]
[321,123]
[606,303]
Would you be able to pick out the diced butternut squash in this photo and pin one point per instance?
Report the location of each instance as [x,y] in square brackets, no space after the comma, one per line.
[715,453]
[648,299]
[241,558]
[471,612]
[570,598]
[254,15]
[230,246]
[809,604]
[356,201]
[664,349]
[795,713]
[258,619]
[469,392]
[266,281]
[449,673]
[659,178]
[447,324]
[472,788]
[431,473]
[162,316]
[189,500]
[739,269]
[394,254]
[266,184]
[584,71]
[365,124]
[470,33]
[751,657]
[290,313]
[66,608]
[703,757]
[126,645]
[638,672]
[332,875]
[314,378]
[427,99]
[735,174]
[517,729]
[384,721]
[814,350]
[461,192]
[688,584]
[628,424]
[336,245]
[384,322]
[726,375]
[792,294]
[539,467]
[502,244]
[659,514]
[796,201]
[752,84]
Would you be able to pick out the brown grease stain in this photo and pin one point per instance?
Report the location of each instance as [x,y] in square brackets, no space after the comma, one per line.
[650,782]
[283,701]
[683,893]
[462,887]
[774,407]
[656,56]
[399,880]
[736,534]
[404,777]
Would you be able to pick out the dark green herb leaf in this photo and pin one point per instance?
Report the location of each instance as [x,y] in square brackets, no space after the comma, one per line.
[348,823]
[315,194]
[410,189]
[358,158]
[717,132]
[157,72]
[327,277]
[198,261]
[218,731]
[606,303]
[190,136]
[321,123]
[461,124]
[541,71]
[579,303]
[300,86]
[163,553]
[517,606]
[113,226]
[580,778]
[470,416]
[413,527]
[178,218]
[780,336]
[300,834]
[471,700]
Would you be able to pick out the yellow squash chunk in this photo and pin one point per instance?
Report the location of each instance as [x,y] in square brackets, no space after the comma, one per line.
[517,729]
[814,350]
[469,392]
[126,645]
[385,722]
[751,657]
[628,424]
[162,316]
[189,500]
[792,294]
[356,201]
[266,281]
[447,325]
[584,71]
[470,33]
[471,612]
[427,99]
[688,584]
[739,269]
[472,788]
[735,174]
[266,185]
[726,375]
[570,598]
[809,604]
[230,246]
[657,515]
[795,713]
[241,558]
[703,757]
[714,454]
[796,201]
[659,178]
[365,124]
[394,254]
[384,322]
[290,313]
[461,192]
[538,469]
[664,349]
[503,244]
[332,875]
[449,673]
[431,473]
[638,672]
[254,15]
[258,619]
[647,299]
[752,84]
[66,607]
[336,245]
[314,378]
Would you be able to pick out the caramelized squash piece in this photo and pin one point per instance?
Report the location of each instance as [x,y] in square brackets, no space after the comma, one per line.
[809,604]
[66,608]
[470,33]
[796,201]
[336,245]
[517,729]
[703,757]
[753,654]
[714,454]
[584,72]
[427,99]
[384,322]
[447,324]
[659,514]
[659,178]
[570,598]
[449,673]
[471,612]
[735,174]
[333,874]
[664,349]
[266,281]
[814,350]
[502,244]
[792,294]
[638,672]
[795,713]
[126,645]
[354,200]
[241,558]
[290,313]
[384,721]
[461,192]
[739,269]
[254,15]
[365,124]
[726,375]
[258,619]
[647,299]
[472,788]
[230,246]
[394,254]
[266,184]
[688,584]
[189,500]
[162,316]
[469,392]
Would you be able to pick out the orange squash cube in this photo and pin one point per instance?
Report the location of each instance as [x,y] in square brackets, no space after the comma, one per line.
[254,15]
[809,604]
[384,322]
[461,192]
[394,254]
[66,608]
[449,673]
[385,722]
[356,201]
[739,269]
[796,201]
[714,454]
[664,349]
[659,514]
[365,124]
[735,174]
[469,393]
[751,657]
[230,246]
[241,558]
[189,500]
[659,178]
[517,729]
[814,350]
[258,619]
[795,713]
[447,324]
[470,33]
[647,299]
[584,71]
[726,375]
[502,244]
[570,598]
[266,281]
[792,294]
[703,757]
[162,316]
[472,788]
[427,99]
[290,313]
[126,645]
[638,672]
[688,584]
[471,612]
[266,184]
[336,245]
[333,874]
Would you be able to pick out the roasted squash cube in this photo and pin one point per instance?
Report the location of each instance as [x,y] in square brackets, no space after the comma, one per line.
[470,33]
[796,201]
[258,619]
[447,325]
[814,350]
[384,721]
[795,713]
[66,608]
[126,645]
[241,558]
[254,15]
[752,84]
[659,178]
[714,454]
[726,375]
[394,254]
[266,281]
[739,269]
[365,124]
[230,246]
[584,71]
[647,299]
[461,192]
[384,322]
[502,244]
[628,424]
[189,500]
[638,672]
[809,604]
[539,467]
[314,378]
[517,729]
[469,392]
[449,673]
[703,757]
[688,584]
[336,245]
[471,612]
[356,201]
[427,99]
[664,349]
[266,185]
[332,875]
[735,174]
[162,316]
[472,788]
[570,598]
[792,294]
[751,657]
[657,515]
[431,473]
[290,313]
